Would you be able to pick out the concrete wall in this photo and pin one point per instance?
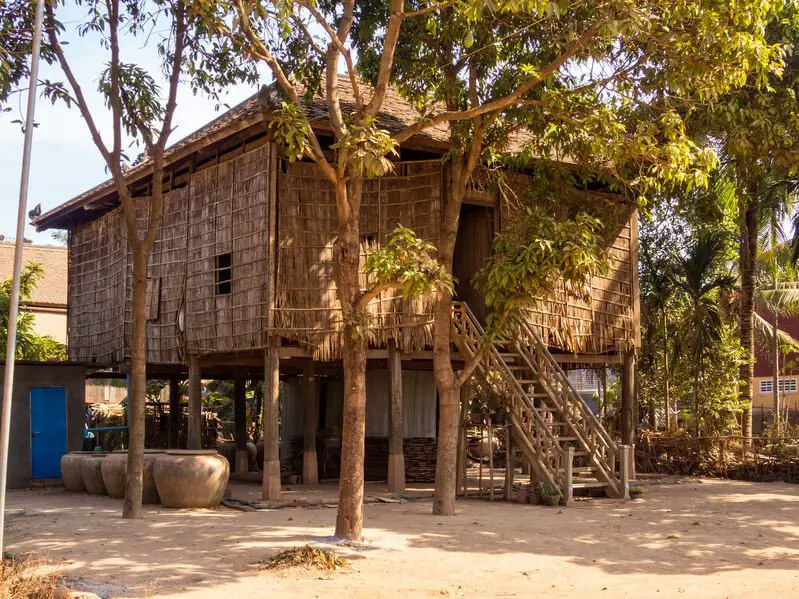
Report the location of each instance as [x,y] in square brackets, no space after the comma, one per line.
[29,375]
[50,323]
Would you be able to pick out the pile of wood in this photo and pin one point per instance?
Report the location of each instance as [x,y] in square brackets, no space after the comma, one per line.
[420,459]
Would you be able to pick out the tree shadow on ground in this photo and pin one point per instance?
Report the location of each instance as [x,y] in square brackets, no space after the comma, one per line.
[693,528]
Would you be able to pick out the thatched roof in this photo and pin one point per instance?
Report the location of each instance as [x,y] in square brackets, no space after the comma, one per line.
[396,114]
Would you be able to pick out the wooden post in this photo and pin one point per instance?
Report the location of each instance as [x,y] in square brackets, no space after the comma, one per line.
[480,464]
[463,396]
[569,475]
[174,412]
[628,399]
[510,463]
[194,436]
[271,481]
[624,472]
[490,460]
[310,468]
[271,406]
[240,422]
[396,454]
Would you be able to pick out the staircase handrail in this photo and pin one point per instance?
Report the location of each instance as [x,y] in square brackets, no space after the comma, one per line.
[574,396]
[519,393]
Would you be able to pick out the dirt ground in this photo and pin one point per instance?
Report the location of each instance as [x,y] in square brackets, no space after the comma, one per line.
[698,538]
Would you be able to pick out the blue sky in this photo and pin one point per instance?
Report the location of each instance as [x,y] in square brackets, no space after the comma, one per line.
[65,161]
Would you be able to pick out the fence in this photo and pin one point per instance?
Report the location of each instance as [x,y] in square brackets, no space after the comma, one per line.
[763,416]
[741,458]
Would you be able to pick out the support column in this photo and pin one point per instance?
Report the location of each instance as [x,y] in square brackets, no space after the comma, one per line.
[174,412]
[628,399]
[310,468]
[510,463]
[271,481]
[396,454]
[194,437]
[240,423]
[624,471]
[463,396]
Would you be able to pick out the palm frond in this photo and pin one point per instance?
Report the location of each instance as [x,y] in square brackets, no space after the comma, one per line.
[764,333]
[782,298]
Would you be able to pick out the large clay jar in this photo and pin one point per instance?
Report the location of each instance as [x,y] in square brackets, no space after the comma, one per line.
[113,470]
[149,493]
[228,451]
[252,457]
[71,470]
[91,471]
[191,478]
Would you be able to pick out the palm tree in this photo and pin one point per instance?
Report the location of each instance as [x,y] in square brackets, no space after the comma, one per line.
[701,275]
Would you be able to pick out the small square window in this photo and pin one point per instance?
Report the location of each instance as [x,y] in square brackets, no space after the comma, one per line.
[766,386]
[223,274]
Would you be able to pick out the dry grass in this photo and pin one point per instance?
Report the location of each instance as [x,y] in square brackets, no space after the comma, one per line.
[307,557]
[27,577]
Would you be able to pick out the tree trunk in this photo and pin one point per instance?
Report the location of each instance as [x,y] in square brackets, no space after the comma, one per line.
[776,375]
[349,522]
[447,455]
[138,386]
[747,255]
[666,381]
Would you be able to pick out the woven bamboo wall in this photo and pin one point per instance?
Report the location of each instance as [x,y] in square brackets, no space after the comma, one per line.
[603,320]
[97,267]
[227,214]
[166,279]
[307,310]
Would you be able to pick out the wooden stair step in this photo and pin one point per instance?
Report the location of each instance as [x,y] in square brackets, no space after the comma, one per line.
[559,438]
[593,484]
[581,470]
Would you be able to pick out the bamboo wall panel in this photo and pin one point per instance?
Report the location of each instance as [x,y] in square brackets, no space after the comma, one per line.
[227,220]
[166,279]
[600,318]
[96,295]
[307,309]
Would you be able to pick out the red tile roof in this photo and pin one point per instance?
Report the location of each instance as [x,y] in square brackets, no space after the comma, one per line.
[51,289]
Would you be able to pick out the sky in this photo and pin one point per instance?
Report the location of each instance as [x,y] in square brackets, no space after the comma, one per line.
[64,161]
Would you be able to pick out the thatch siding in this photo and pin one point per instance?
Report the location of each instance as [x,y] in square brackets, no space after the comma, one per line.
[602,317]
[217,227]
[227,220]
[166,280]
[307,309]
[97,267]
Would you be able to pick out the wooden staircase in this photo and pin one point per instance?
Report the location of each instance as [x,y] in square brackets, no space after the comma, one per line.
[555,429]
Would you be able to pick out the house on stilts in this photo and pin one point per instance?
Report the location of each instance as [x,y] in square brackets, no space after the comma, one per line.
[243,268]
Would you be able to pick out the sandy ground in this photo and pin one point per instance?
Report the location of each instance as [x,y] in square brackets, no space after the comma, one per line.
[696,538]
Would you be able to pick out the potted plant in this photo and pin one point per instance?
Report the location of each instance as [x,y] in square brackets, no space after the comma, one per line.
[549,494]
[636,492]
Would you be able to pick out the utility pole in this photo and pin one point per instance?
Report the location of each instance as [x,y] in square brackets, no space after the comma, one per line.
[13,311]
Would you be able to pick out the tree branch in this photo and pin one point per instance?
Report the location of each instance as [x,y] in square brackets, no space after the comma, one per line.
[428,9]
[500,103]
[373,293]
[261,52]
[396,16]
[336,38]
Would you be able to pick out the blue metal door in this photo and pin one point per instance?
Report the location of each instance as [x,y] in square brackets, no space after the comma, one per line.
[48,431]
